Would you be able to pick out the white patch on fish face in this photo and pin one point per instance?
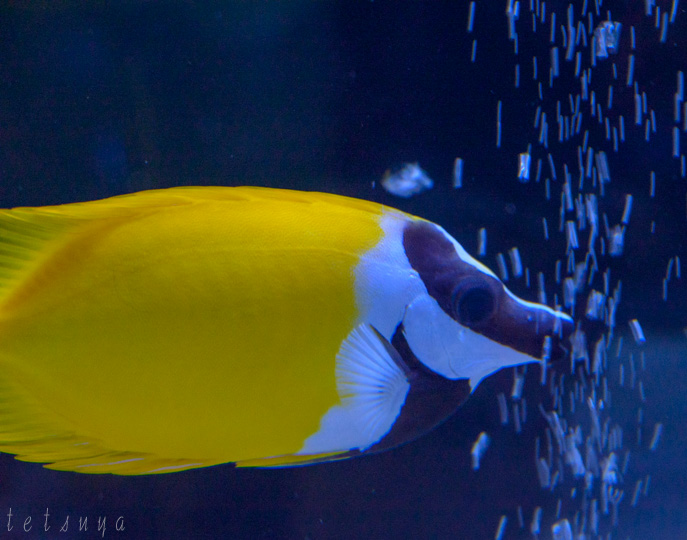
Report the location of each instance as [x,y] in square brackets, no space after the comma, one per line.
[452,350]
[385,283]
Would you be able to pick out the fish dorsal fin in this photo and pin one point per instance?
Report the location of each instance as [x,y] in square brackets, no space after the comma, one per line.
[184,195]
[28,235]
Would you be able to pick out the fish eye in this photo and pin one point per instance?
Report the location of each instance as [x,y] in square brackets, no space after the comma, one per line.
[474,302]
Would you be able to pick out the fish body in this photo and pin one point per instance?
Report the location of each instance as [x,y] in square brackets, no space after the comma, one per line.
[181,328]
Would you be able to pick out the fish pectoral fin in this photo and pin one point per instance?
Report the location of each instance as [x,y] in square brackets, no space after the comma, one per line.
[371,381]
[372,386]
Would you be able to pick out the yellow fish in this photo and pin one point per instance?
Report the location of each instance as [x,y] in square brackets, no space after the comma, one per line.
[187,327]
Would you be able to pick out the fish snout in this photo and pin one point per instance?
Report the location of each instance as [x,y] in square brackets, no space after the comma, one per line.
[535,329]
[554,329]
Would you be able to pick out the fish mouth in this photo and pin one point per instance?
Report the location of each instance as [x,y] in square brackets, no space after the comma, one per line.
[560,339]
[556,329]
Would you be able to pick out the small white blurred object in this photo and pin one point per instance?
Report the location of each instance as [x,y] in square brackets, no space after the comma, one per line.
[409,180]
[607,36]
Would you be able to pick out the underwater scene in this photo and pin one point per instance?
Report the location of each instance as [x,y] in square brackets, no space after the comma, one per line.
[457,311]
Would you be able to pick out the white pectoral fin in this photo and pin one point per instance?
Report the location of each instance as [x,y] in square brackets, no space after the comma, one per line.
[370,381]
[372,387]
